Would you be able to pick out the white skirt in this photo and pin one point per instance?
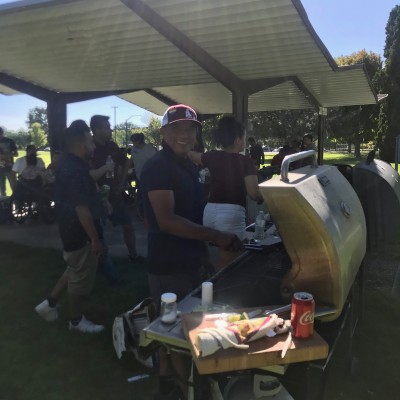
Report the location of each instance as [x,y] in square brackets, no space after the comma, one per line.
[226,217]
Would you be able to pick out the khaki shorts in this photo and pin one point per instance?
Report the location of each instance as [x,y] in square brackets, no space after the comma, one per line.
[81,270]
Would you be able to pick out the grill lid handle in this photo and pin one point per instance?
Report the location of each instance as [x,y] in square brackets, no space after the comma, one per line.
[295,157]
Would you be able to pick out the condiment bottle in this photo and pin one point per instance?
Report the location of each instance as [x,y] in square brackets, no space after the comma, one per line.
[168,308]
[109,174]
[259,233]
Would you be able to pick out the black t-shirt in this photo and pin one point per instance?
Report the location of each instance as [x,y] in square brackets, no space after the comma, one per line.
[74,187]
[100,154]
[169,253]
[257,153]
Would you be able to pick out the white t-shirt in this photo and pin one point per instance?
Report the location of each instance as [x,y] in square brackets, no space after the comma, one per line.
[20,164]
[140,156]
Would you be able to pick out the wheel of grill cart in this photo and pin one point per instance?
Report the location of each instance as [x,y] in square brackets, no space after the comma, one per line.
[20,211]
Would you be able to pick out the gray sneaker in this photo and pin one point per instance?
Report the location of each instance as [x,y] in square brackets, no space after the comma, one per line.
[46,312]
[86,326]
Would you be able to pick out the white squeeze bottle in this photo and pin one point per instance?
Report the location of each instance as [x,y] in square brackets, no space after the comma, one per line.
[109,174]
[259,233]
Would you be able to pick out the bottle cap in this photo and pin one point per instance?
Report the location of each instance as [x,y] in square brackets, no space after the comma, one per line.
[168,297]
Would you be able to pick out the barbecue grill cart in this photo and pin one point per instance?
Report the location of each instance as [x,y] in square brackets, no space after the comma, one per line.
[377,185]
[316,243]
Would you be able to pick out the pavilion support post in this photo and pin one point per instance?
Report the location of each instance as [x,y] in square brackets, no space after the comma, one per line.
[322,112]
[57,119]
[240,106]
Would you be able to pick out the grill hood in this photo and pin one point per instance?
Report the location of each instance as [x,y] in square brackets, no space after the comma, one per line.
[322,225]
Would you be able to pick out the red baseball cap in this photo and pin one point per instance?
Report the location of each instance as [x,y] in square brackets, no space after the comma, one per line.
[179,112]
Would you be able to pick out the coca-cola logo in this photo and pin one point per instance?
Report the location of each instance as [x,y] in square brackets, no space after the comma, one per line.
[306,318]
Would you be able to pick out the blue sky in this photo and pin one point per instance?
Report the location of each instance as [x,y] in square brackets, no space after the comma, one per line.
[344,26]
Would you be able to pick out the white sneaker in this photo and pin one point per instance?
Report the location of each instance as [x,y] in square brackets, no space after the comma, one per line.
[46,312]
[86,326]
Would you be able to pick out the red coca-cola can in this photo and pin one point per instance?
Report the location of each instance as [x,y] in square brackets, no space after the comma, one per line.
[302,315]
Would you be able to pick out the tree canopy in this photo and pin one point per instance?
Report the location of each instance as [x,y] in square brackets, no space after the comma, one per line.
[356,124]
[389,115]
[38,136]
[38,115]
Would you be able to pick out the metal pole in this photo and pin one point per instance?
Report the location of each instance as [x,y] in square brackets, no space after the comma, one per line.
[115,122]
[396,154]
[322,112]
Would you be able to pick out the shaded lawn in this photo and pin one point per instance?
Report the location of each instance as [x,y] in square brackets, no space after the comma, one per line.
[373,374]
[43,360]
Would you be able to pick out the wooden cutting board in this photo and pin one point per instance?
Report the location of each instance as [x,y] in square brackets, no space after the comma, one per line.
[261,353]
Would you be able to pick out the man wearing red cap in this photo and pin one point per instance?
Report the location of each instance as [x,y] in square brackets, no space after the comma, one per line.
[174,204]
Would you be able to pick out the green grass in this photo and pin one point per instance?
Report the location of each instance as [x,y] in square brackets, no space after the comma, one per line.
[329,158]
[374,373]
[44,361]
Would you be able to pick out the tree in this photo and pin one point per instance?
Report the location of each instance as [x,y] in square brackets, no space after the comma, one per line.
[207,129]
[357,124]
[39,115]
[123,133]
[152,132]
[21,138]
[38,136]
[280,127]
[389,118]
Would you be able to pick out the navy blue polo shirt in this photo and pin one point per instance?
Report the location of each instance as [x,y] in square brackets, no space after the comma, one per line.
[169,253]
[74,187]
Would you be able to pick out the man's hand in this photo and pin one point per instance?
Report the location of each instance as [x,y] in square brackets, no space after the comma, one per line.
[97,248]
[228,241]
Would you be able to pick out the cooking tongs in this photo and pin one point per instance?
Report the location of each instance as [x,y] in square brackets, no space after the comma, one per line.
[320,311]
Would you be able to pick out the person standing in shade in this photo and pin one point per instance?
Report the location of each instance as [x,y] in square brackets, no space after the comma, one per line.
[8,150]
[78,210]
[140,153]
[173,202]
[233,176]
[256,152]
[307,144]
[104,148]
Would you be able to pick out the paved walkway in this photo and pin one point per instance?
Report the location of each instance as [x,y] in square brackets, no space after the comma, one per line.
[38,234]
